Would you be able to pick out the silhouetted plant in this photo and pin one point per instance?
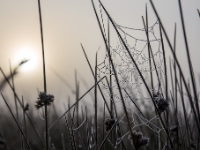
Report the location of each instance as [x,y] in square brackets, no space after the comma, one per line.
[138,140]
[44,100]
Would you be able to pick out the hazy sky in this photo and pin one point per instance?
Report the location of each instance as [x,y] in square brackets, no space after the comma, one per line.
[66,24]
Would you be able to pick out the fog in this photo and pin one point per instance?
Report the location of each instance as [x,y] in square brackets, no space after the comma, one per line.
[67,24]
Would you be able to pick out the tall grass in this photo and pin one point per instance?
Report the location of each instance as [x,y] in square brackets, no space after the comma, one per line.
[170,119]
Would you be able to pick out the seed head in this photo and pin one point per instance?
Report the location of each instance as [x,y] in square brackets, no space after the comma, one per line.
[160,101]
[138,139]
[109,123]
[26,108]
[162,104]
[44,100]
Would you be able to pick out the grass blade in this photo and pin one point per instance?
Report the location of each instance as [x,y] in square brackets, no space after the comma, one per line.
[16,122]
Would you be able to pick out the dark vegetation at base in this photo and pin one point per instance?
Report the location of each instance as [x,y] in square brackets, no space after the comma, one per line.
[60,132]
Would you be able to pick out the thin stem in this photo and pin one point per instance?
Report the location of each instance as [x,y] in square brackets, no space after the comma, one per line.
[44,72]
[189,60]
[42,42]
[94,78]
[95,94]
[75,103]
[178,65]
[46,124]
[16,122]
[115,73]
[138,72]
[7,80]
[13,84]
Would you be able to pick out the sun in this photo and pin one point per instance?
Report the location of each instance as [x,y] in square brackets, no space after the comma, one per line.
[29,54]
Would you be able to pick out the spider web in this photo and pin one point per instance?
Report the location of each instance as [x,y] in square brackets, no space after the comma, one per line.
[129,78]
[131,83]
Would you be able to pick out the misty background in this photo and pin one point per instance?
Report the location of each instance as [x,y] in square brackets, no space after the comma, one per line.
[66,24]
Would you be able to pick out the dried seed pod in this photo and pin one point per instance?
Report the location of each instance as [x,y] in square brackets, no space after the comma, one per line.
[44,100]
[162,104]
[138,139]
[109,123]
